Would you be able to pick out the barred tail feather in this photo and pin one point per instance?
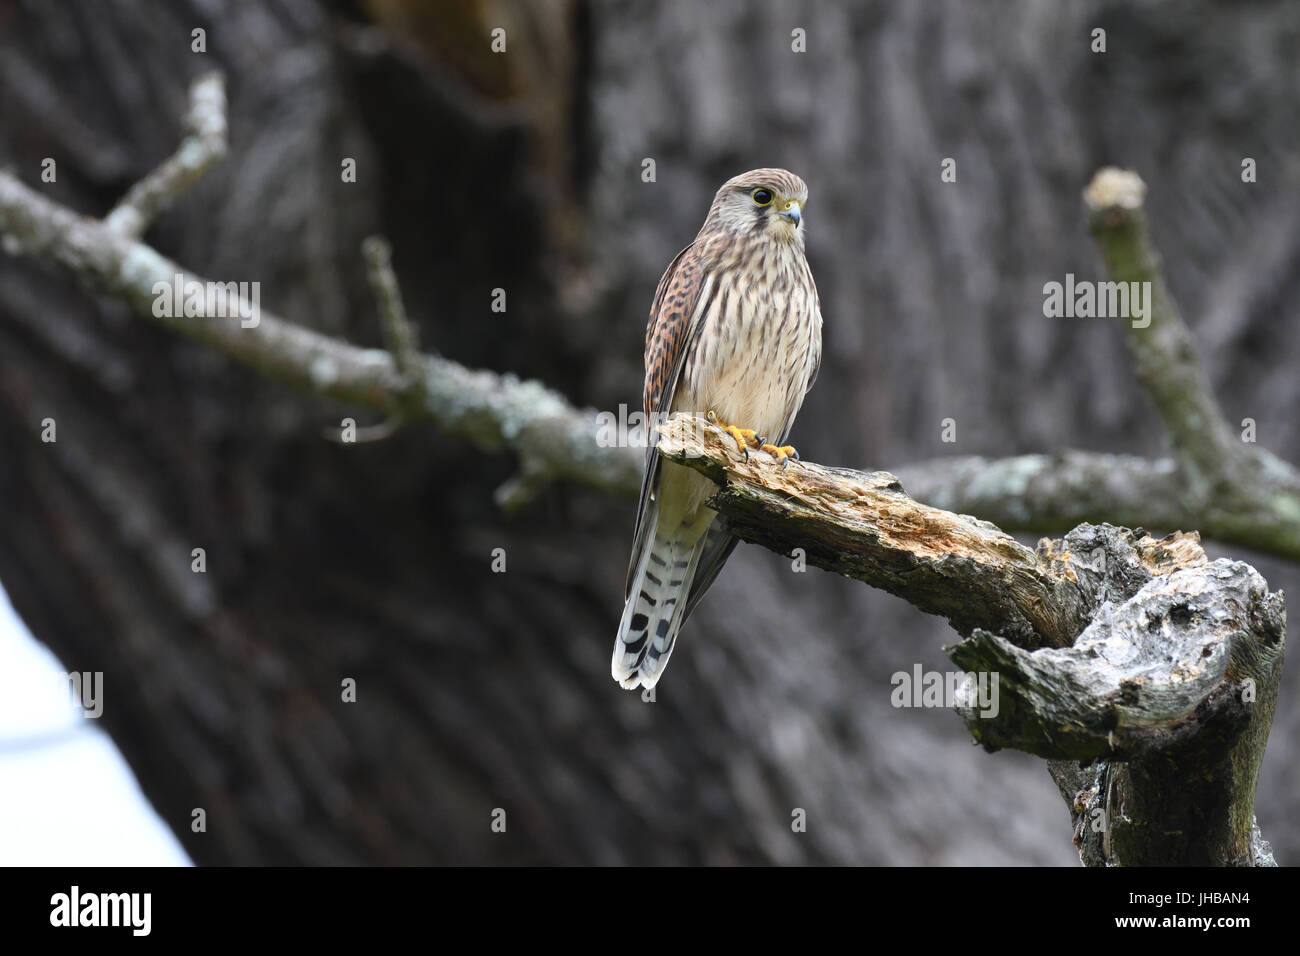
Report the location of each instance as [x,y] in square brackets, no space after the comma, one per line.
[656,608]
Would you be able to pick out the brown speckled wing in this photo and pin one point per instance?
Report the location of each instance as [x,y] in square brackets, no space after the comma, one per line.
[670,319]
[666,337]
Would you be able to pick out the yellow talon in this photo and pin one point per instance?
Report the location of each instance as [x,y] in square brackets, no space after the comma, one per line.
[745,437]
[782,453]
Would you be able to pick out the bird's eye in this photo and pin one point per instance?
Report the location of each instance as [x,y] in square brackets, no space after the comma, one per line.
[762,197]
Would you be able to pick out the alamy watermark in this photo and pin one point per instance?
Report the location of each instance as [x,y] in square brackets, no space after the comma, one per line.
[968,690]
[211,300]
[85,690]
[1086,299]
[127,910]
[628,428]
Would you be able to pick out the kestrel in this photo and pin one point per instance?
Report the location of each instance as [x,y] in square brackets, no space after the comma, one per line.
[735,336]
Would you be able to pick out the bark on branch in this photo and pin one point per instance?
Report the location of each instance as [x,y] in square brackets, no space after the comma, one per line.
[202,148]
[1109,645]
[492,411]
[1240,493]
[1226,488]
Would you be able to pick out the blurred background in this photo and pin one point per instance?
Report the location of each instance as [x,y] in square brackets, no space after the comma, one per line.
[522,170]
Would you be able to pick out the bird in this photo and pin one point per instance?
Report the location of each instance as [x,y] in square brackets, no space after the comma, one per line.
[735,337]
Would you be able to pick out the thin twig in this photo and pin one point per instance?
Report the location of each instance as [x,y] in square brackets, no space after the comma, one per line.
[400,334]
[203,146]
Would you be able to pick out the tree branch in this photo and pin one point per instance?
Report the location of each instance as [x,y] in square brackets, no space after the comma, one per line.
[1046,493]
[1229,489]
[203,146]
[492,411]
[1164,353]
[400,334]
[1107,645]
[865,527]
[1237,492]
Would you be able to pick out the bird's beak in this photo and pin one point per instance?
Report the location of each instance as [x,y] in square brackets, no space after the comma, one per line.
[790,212]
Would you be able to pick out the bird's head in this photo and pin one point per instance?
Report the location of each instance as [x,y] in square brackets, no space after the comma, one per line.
[761,202]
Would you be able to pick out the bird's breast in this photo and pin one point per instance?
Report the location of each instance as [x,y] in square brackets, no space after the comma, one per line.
[759,335]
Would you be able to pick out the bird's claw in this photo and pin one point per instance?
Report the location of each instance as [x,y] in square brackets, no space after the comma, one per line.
[782,453]
[747,438]
[744,437]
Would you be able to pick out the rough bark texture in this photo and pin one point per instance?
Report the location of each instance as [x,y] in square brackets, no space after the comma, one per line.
[480,690]
[1173,688]
[1106,644]
[865,526]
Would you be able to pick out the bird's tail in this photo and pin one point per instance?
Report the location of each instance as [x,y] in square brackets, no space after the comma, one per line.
[656,606]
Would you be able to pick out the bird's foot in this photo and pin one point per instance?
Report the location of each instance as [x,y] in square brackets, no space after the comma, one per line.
[782,453]
[745,438]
